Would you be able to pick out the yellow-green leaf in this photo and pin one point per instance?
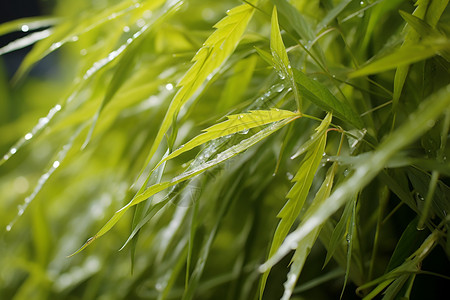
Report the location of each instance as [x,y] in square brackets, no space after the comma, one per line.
[297,195]
[216,49]
[234,124]
[280,57]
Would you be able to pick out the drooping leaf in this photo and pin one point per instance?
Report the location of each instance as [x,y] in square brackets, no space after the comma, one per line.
[297,195]
[156,188]
[303,250]
[66,32]
[418,124]
[216,49]
[127,54]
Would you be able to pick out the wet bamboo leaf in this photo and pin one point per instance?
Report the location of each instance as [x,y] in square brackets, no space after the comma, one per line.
[297,195]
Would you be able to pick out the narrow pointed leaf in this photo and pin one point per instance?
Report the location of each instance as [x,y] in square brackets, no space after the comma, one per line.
[417,125]
[234,124]
[154,189]
[216,49]
[404,56]
[297,195]
[322,97]
[280,57]
[302,252]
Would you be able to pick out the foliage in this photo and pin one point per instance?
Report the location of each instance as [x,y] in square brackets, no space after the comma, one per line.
[172,132]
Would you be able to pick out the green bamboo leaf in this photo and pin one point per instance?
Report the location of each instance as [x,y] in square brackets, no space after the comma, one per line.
[424,30]
[216,49]
[206,248]
[28,24]
[410,266]
[418,124]
[234,124]
[339,232]
[156,188]
[127,54]
[410,240]
[302,252]
[349,239]
[332,14]
[280,57]
[66,32]
[318,94]
[431,13]
[297,195]
[295,19]
[25,41]
[405,56]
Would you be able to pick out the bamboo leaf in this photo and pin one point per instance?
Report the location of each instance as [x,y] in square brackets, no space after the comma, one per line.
[27,24]
[234,124]
[302,252]
[297,195]
[430,12]
[418,124]
[404,56]
[339,232]
[156,188]
[127,54]
[332,14]
[322,97]
[216,49]
[280,57]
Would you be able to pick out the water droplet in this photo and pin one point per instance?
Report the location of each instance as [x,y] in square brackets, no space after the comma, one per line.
[126,29]
[279,88]
[244,131]
[43,121]
[20,212]
[8,228]
[169,86]
[28,136]
[24,28]
[83,52]
[57,107]
[112,16]
[289,176]
[56,164]
[148,14]
[140,23]
[13,150]
[75,38]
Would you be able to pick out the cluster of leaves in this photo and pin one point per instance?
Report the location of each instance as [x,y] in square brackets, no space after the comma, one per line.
[225,150]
